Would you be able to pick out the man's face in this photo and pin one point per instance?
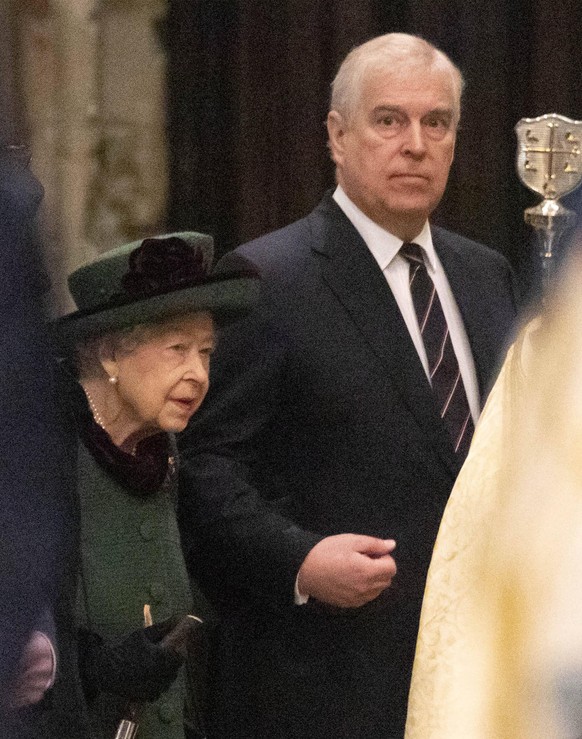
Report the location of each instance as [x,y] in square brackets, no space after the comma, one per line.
[393,157]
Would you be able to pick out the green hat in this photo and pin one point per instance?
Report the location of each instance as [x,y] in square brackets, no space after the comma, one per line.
[155,278]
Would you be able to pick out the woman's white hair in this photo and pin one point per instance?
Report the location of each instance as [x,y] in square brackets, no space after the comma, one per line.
[87,352]
[397,53]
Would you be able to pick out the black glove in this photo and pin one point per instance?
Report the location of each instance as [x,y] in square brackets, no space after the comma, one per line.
[137,668]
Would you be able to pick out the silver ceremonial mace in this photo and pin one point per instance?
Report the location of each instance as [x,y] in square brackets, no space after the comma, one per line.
[549,162]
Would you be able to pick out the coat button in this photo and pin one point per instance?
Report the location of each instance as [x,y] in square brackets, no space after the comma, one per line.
[157,591]
[147,530]
[167,713]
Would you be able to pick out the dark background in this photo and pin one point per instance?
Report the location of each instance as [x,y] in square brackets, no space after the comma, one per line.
[248,93]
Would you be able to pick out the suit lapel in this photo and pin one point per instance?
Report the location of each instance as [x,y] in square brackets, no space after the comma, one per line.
[352,273]
[470,303]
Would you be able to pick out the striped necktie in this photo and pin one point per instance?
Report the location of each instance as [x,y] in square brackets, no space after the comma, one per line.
[444,371]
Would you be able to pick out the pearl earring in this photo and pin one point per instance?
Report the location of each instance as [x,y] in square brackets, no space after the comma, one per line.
[113,379]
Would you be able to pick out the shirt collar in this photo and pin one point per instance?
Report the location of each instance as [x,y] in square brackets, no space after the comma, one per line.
[383,245]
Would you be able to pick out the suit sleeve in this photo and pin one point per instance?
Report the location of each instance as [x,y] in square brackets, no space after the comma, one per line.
[238,546]
[35,461]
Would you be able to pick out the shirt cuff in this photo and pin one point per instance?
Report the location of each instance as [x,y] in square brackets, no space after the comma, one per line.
[299,598]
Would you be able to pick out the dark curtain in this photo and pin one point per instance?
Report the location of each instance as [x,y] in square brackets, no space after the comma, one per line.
[10,113]
[249,90]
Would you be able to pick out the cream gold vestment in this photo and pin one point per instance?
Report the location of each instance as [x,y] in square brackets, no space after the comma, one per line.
[499,653]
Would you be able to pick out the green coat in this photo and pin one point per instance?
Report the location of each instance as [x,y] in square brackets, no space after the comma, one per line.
[126,553]
[130,556]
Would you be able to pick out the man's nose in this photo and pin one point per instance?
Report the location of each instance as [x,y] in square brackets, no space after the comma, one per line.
[414,143]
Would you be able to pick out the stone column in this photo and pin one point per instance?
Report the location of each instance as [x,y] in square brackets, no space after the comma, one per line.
[58,57]
[93,80]
[129,193]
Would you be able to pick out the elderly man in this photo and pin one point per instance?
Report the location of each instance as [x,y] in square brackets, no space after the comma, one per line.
[339,414]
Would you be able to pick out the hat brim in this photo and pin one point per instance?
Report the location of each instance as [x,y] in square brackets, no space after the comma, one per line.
[226,299]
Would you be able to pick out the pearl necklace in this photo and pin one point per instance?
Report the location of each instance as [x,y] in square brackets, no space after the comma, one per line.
[96,415]
[99,418]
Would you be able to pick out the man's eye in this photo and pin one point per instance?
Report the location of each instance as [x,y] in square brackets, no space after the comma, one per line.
[438,122]
[390,124]
[437,127]
[178,347]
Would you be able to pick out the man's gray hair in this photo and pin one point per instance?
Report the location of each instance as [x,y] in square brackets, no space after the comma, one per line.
[398,53]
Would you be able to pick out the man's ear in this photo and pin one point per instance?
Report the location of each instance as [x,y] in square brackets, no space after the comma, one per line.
[336,130]
[453,150]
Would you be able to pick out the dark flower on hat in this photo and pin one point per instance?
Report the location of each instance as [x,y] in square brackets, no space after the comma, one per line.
[163,265]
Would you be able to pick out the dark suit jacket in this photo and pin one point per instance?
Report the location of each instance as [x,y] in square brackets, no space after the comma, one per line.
[36,466]
[320,420]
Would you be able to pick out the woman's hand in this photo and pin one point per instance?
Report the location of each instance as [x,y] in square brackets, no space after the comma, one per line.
[138,668]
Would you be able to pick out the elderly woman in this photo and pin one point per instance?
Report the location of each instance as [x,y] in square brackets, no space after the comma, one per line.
[136,360]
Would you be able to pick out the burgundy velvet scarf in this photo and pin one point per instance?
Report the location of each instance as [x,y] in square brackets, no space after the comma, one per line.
[142,473]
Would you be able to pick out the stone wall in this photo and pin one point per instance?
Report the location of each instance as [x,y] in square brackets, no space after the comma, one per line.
[90,79]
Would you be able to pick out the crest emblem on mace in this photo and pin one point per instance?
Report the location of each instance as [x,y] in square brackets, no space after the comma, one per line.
[549,154]
[549,162]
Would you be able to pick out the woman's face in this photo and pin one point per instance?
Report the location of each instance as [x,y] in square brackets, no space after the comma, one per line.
[163,380]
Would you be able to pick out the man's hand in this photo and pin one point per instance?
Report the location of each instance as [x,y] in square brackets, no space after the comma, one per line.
[36,672]
[347,570]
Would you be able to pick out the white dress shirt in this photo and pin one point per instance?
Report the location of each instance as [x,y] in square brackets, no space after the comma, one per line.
[385,248]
